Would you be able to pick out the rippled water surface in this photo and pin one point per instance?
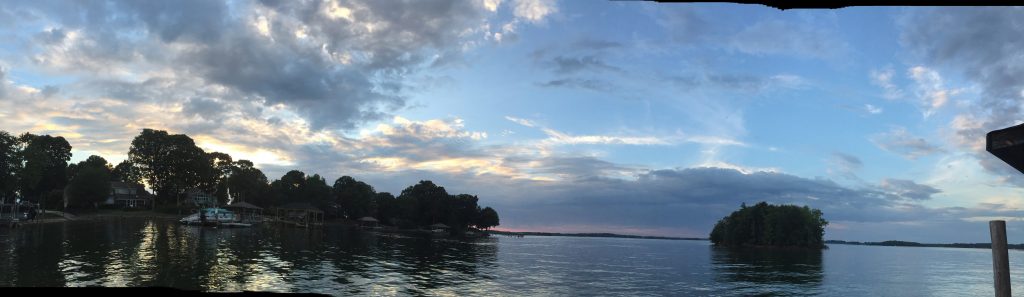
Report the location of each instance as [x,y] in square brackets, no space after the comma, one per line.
[343,261]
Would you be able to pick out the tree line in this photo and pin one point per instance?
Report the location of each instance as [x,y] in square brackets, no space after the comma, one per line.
[771,225]
[35,168]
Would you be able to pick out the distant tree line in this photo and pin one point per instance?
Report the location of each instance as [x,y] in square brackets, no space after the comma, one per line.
[36,168]
[771,225]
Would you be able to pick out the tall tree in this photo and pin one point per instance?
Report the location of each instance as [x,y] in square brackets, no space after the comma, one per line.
[223,166]
[46,160]
[288,188]
[488,218]
[356,198]
[248,184]
[172,164]
[11,163]
[387,208]
[423,203]
[126,172]
[90,184]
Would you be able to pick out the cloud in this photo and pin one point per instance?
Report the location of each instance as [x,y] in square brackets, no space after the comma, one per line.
[900,141]
[982,50]
[932,93]
[773,37]
[908,189]
[570,65]
[871,109]
[883,78]
[534,10]
[556,137]
[336,64]
[845,166]
[589,84]
[520,121]
[739,82]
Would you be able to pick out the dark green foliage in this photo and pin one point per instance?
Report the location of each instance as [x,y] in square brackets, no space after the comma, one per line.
[126,172]
[487,219]
[10,164]
[387,208]
[172,164]
[771,225]
[356,198]
[295,186]
[249,184]
[46,160]
[89,187]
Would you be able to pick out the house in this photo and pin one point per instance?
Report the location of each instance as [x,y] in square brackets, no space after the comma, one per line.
[201,198]
[128,195]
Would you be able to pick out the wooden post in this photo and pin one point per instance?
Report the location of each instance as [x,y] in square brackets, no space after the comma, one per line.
[1000,258]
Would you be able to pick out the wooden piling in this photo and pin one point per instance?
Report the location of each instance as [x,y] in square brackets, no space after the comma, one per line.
[1000,258]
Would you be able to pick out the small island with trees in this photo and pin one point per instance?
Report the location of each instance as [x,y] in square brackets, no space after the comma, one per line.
[765,225]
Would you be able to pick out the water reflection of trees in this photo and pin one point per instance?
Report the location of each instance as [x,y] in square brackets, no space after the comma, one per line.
[768,271]
[268,258]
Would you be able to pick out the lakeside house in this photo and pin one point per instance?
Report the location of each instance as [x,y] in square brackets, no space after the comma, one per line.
[201,198]
[128,196]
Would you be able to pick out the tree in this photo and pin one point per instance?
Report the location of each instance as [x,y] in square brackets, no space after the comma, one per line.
[172,164]
[46,160]
[356,198]
[771,225]
[223,167]
[422,203]
[288,188]
[91,184]
[126,172]
[316,192]
[249,184]
[463,211]
[387,208]
[488,219]
[10,165]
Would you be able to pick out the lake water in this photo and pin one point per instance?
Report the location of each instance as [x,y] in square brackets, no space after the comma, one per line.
[342,261]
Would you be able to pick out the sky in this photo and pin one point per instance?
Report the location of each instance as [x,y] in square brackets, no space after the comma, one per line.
[565,116]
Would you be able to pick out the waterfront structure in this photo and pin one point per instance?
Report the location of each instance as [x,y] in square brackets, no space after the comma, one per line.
[300,215]
[246,212]
[128,196]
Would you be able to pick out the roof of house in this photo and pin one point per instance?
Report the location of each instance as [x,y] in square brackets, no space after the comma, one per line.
[243,205]
[367,219]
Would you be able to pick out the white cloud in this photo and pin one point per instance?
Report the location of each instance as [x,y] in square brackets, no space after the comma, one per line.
[930,89]
[535,10]
[520,121]
[872,109]
[883,78]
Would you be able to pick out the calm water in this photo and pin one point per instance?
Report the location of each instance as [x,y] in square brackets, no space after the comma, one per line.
[138,252]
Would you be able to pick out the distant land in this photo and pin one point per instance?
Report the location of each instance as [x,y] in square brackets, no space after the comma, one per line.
[1018,246]
[611,235]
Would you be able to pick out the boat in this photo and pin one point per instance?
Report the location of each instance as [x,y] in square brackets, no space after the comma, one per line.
[214,216]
